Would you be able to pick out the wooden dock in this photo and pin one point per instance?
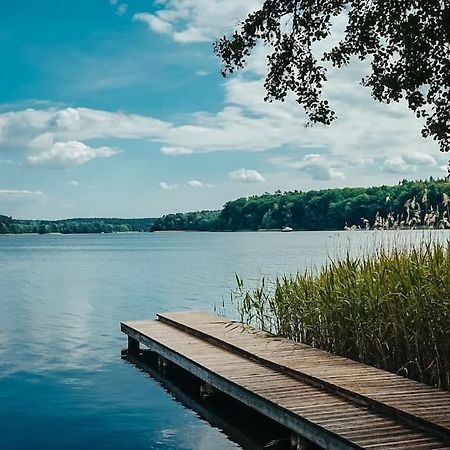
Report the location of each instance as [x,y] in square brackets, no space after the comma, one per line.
[332,401]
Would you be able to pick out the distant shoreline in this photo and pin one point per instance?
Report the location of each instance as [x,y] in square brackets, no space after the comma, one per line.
[409,204]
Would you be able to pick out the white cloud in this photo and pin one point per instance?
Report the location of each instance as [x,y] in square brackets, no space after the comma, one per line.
[15,202]
[408,163]
[316,165]
[419,159]
[319,168]
[18,193]
[197,20]
[54,136]
[121,9]
[202,73]
[70,153]
[365,134]
[247,176]
[191,34]
[48,125]
[195,183]
[246,123]
[166,186]
[397,164]
[155,23]
[74,183]
[113,2]
[174,151]
[14,198]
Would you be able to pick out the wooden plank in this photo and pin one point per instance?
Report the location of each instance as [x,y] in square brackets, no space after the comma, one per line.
[352,385]
[291,421]
[272,393]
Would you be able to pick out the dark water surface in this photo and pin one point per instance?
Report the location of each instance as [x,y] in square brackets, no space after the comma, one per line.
[63,384]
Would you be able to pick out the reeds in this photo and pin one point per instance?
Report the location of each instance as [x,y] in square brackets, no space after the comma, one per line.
[390,309]
[414,216]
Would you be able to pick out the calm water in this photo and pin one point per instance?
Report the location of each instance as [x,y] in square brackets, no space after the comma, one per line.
[62,381]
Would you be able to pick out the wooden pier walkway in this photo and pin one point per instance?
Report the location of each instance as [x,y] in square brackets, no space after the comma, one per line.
[332,401]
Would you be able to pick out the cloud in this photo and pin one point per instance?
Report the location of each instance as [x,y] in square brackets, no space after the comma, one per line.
[419,159]
[187,21]
[246,123]
[364,134]
[408,163]
[12,198]
[54,136]
[247,176]
[195,183]
[318,166]
[48,125]
[74,183]
[174,151]
[202,73]
[20,193]
[397,164]
[166,186]
[70,153]
[121,9]
[154,22]
[191,34]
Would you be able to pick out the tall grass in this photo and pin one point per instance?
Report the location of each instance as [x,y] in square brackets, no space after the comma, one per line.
[389,309]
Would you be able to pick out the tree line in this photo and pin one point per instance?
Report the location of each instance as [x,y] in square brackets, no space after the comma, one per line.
[8,225]
[328,209]
[408,204]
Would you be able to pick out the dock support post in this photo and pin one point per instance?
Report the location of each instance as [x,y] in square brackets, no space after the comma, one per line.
[133,346]
[162,363]
[206,390]
[298,442]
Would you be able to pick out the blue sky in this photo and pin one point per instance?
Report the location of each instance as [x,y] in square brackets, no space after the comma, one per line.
[112,108]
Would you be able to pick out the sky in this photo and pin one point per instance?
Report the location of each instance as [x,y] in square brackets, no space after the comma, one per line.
[113,108]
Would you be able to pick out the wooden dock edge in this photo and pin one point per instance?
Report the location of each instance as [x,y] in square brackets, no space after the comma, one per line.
[295,423]
[408,419]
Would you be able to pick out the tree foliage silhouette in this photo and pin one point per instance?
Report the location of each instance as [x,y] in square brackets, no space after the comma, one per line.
[406,41]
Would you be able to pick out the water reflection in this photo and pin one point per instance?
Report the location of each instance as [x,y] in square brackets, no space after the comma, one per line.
[243,425]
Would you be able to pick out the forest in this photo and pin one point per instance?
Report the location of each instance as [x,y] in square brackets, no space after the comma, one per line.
[408,204]
[8,225]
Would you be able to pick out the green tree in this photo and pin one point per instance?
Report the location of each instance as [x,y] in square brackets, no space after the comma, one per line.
[406,42]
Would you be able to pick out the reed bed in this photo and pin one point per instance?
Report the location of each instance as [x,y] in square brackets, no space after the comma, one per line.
[389,309]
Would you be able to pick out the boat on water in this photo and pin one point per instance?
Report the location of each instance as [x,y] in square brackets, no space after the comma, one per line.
[287,229]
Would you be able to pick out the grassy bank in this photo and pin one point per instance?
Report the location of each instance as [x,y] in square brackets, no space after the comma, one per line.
[390,309]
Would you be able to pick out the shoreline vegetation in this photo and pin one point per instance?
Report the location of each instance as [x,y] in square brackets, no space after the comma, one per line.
[389,309]
[8,225]
[410,204]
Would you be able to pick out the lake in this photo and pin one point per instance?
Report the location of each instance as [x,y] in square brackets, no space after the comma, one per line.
[63,383]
